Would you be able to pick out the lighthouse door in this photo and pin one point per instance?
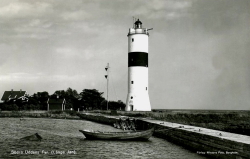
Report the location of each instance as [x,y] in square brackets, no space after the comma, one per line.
[131,107]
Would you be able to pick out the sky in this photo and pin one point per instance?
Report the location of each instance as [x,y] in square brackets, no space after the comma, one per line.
[199,50]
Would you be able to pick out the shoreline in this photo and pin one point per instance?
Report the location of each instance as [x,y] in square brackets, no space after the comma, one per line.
[228,121]
[38,114]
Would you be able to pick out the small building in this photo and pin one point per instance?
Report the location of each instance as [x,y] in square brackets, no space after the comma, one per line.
[56,104]
[14,95]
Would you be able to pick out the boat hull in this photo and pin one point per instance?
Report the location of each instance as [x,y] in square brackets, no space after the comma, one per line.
[132,135]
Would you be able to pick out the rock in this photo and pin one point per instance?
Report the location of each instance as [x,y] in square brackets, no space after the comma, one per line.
[35,137]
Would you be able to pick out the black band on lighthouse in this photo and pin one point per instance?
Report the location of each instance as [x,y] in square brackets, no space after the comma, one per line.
[138,59]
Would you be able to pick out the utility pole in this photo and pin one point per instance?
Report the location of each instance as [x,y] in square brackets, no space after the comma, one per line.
[107,77]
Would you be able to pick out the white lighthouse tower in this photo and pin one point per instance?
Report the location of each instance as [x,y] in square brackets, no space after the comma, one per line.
[138,98]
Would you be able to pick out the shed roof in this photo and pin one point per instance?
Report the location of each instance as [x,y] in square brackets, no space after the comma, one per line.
[12,94]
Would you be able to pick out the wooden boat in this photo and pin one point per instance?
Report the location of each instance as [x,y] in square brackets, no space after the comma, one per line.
[127,135]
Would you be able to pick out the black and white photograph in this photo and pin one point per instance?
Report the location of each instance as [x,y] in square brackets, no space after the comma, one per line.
[109,79]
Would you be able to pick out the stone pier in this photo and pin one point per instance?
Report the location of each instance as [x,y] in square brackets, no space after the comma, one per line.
[203,141]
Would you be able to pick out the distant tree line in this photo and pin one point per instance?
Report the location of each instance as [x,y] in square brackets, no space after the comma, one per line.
[88,99]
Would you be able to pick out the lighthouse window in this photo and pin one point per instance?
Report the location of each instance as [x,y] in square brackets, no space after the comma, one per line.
[131,97]
[132,39]
[146,88]
[132,82]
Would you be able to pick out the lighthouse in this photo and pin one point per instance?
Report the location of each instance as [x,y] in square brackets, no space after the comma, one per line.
[138,98]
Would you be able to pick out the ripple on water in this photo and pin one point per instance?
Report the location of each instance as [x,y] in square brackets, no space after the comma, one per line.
[62,135]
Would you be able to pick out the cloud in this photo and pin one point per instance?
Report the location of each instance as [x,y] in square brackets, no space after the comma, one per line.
[35,23]
[76,15]
[6,49]
[170,4]
[22,9]
[165,10]
[231,88]
[20,76]
[69,53]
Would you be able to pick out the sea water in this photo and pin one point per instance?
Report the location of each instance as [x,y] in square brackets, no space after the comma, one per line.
[62,139]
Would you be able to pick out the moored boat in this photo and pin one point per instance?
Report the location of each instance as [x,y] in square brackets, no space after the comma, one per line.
[126,135]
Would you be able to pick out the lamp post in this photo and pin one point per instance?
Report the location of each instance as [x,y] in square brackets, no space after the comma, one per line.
[107,77]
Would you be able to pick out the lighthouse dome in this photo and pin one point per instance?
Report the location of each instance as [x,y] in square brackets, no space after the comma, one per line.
[138,24]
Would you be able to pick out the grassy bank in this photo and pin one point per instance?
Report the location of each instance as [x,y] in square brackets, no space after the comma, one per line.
[229,122]
[40,114]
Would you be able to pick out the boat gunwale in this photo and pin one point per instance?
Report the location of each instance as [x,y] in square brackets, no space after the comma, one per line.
[142,134]
[116,132]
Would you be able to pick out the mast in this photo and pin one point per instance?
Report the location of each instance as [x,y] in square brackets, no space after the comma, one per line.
[107,77]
